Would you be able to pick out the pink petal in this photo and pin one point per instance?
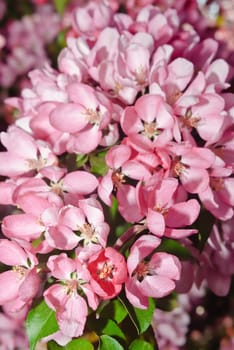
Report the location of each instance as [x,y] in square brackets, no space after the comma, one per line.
[135,296]
[182,214]
[179,233]
[83,95]
[198,158]
[195,180]
[11,253]
[19,142]
[128,207]
[61,266]
[22,226]
[93,210]
[80,182]
[166,265]
[105,188]
[6,190]
[9,282]
[72,217]
[55,296]
[156,286]
[30,286]
[217,71]
[13,165]
[142,247]
[155,222]
[130,122]
[165,191]
[117,156]
[61,238]
[215,205]
[218,283]
[86,140]
[31,203]
[210,127]
[182,71]
[72,317]
[226,192]
[135,170]
[68,117]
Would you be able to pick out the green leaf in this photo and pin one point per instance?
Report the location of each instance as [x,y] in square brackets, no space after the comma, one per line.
[41,322]
[111,328]
[140,345]
[109,343]
[144,317]
[81,159]
[174,247]
[106,326]
[98,163]
[60,5]
[115,310]
[139,317]
[114,208]
[204,224]
[80,343]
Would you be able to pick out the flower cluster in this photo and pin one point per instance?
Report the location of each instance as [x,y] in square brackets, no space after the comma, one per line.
[23,43]
[125,148]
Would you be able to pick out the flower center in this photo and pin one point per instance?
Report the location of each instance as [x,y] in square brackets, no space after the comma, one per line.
[20,270]
[36,164]
[216,183]
[178,167]
[94,116]
[189,120]
[117,178]
[173,97]
[161,210]
[142,270]
[71,286]
[106,271]
[140,75]
[150,130]
[88,233]
[118,86]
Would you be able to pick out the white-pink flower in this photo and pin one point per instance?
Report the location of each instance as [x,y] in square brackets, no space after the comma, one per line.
[72,279]
[20,284]
[154,277]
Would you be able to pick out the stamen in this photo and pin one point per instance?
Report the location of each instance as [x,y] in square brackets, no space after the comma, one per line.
[106,271]
[150,130]
[117,178]
[20,270]
[216,183]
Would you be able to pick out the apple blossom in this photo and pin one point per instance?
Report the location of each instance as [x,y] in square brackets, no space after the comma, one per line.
[153,278]
[108,273]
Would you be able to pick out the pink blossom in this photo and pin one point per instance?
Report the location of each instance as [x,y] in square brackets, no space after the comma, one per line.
[87,116]
[163,215]
[12,333]
[108,273]
[150,118]
[218,196]
[122,164]
[153,278]
[161,25]
[190,165]
[89,20]
[22,282]
[64,296]
[170,327]
[24,154]
[72,226]
[72,59]
[124,69]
